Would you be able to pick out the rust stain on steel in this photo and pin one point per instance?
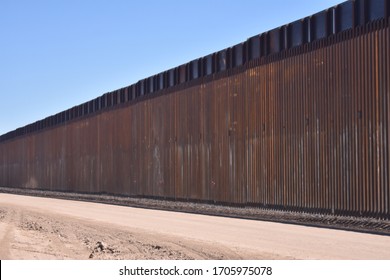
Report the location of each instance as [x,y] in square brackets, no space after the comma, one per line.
[306,128]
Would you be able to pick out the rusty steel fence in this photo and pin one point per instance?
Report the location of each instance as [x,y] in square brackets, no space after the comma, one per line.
[296,118]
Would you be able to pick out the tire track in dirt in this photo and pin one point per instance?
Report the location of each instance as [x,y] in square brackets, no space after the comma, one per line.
[46,236]
[7,229]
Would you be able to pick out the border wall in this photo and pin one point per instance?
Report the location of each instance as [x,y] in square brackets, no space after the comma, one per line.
[295,118]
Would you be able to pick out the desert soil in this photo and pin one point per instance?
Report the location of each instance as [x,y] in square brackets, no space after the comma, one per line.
[47,228]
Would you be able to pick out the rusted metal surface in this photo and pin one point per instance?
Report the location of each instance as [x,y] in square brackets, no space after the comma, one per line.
[296,118]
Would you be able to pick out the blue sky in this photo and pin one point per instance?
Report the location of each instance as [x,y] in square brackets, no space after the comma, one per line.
[55,54]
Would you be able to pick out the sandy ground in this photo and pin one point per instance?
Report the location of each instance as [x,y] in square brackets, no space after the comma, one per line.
[46,228]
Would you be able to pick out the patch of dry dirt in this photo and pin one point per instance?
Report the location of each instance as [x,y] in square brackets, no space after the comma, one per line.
[25,234]
[33,227]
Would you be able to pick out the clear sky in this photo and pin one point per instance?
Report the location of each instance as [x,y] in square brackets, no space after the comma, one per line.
[55,54]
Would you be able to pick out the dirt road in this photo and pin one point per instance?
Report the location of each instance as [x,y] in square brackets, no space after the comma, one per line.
[46,228]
